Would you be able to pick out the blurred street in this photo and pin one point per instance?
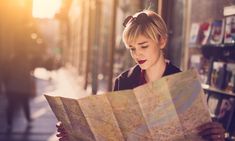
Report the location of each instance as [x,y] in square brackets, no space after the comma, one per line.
[42,127]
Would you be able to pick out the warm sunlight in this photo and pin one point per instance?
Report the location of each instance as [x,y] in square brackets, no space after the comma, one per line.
[45,8]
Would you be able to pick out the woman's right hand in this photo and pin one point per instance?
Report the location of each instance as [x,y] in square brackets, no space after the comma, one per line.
[61,132]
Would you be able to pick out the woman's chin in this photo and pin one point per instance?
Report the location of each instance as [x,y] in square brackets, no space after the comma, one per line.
[143,67]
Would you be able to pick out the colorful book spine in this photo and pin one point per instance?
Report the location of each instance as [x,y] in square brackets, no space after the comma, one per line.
[217,32]
[229,36]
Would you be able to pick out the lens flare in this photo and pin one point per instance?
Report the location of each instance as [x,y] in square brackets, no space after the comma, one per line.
[45,8]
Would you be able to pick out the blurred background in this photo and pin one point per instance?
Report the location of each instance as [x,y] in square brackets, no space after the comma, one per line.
[73,48]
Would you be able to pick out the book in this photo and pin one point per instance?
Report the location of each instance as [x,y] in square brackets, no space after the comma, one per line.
[204,33]
[217,32]
[229,36]
[221,79]
[193,38]
[164,110]
[196,61]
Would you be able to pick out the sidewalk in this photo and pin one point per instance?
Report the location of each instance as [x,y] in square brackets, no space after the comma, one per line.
[62,82]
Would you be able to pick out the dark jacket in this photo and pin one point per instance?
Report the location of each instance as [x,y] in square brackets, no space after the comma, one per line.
[132,77]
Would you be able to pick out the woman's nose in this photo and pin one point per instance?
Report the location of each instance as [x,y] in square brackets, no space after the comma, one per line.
[139,53]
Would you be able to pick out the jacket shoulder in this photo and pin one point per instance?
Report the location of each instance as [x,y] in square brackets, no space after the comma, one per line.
[125,79]
[130,72]
[171,69]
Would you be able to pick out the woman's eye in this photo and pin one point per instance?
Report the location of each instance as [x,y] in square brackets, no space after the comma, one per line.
[144,46]
[132,49]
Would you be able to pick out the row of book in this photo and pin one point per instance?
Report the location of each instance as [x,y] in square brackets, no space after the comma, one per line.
[213,32]
[223,74]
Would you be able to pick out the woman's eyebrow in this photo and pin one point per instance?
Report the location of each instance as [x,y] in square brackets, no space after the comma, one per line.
[141,43]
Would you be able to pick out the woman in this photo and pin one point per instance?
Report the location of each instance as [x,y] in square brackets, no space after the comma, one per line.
[145,35]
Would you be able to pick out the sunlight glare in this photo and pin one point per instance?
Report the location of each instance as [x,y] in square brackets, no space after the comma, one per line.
[45,8]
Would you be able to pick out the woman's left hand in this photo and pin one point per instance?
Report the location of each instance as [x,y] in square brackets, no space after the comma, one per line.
[212,131]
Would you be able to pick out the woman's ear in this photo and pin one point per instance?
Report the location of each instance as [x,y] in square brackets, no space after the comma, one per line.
[162,42]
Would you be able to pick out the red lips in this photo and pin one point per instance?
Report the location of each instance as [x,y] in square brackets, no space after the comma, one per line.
[141,61]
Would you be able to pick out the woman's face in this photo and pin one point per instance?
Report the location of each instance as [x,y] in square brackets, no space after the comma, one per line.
[145,51]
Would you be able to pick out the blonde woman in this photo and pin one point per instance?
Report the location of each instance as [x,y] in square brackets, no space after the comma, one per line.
[145,35]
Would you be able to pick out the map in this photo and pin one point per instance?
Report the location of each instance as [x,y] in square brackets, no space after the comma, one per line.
[168,109]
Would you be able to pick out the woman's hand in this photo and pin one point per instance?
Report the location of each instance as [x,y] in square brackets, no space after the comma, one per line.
[212,131]
[61,132]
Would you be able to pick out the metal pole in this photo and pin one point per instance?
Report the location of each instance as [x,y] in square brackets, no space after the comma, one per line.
[113,38]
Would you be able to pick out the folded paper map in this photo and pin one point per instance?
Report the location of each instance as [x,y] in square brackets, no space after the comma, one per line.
[168,109]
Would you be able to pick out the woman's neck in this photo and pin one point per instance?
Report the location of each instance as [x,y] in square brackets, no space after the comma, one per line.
[156,71]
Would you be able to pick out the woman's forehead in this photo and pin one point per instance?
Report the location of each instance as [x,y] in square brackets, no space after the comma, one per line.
[139,40]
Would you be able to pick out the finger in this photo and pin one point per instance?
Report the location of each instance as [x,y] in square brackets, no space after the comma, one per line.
[209,125]
[66,138]
[63,139]
[59,124]
[61,134]
[215,137]
[60,127]
[204,126]
[211,131]
[61,130]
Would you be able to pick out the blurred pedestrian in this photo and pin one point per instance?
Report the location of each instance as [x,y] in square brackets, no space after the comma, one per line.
[19,84]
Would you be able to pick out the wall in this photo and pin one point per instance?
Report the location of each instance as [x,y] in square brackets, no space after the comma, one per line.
[203,10]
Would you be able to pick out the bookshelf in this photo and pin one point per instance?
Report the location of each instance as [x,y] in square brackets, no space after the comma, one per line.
[221,94]
[219,52]
[210,48]
[216,90]
[224,53]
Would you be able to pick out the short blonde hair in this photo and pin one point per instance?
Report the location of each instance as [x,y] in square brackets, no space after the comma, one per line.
[146,23]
